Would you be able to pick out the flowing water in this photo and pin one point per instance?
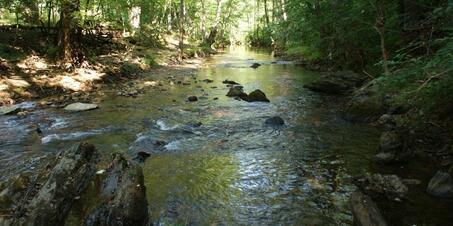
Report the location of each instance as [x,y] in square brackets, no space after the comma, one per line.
[230,169]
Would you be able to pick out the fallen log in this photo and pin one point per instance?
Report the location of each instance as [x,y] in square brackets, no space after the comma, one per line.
[365,211]
[123,197]
[47,199]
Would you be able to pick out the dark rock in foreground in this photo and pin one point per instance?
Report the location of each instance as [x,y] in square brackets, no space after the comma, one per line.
[365,211]
[336,83]
[441,185]
[123,197]
[48,202]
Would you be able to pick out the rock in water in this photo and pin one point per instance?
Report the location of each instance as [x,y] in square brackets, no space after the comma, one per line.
[237,91]
[391,141]
[255,65]
[392,148]
[365,211]
[80,107]
[441,185]
[377,185]
[275,121]
[123,197]
[192,99]
[230,82]
[336,83]
[5,110]
[256,96]
[208,80]
[48,199]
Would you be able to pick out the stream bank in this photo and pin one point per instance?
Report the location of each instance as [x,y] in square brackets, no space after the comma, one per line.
[410,137]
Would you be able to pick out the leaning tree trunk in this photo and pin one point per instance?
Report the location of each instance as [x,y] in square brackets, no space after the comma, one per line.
[65,40]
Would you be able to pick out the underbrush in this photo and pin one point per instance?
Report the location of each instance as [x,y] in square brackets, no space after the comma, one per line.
[10,53]
[300,52]
[424,82]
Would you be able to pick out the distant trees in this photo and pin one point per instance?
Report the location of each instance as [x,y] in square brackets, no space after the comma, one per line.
[202,22]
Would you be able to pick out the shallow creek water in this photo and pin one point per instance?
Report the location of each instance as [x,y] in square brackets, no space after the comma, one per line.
[230,170]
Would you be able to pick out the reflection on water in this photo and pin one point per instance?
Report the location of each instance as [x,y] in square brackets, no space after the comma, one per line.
[231,169]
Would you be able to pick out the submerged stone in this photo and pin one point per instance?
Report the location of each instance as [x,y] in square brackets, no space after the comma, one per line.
[275,121]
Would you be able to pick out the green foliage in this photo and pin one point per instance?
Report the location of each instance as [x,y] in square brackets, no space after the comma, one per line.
[52,51]
[260,37]
[303,52]
[150,60]
[424,81]
[11,54]
[129,69]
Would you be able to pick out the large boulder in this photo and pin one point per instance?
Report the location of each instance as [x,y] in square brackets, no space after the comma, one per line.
[441,185]
[336,83]
[256,96]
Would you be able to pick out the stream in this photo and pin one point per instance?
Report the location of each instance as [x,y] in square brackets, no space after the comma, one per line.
[214,161]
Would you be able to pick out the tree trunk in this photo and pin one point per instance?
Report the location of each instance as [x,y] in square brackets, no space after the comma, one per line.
[203,20]
[49,14]
[283,8]
[266,13]
[181,29]
[380,28]
[65,43]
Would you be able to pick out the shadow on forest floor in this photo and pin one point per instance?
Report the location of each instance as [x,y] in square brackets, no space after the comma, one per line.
[28,69]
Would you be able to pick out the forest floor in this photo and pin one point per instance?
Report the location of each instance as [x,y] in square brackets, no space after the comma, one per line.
[28,71]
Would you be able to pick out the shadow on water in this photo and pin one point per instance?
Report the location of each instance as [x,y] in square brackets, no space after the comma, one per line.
[214,161]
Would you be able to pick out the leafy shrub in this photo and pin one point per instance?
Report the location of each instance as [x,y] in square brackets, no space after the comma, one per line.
[128,69]
[150,60]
